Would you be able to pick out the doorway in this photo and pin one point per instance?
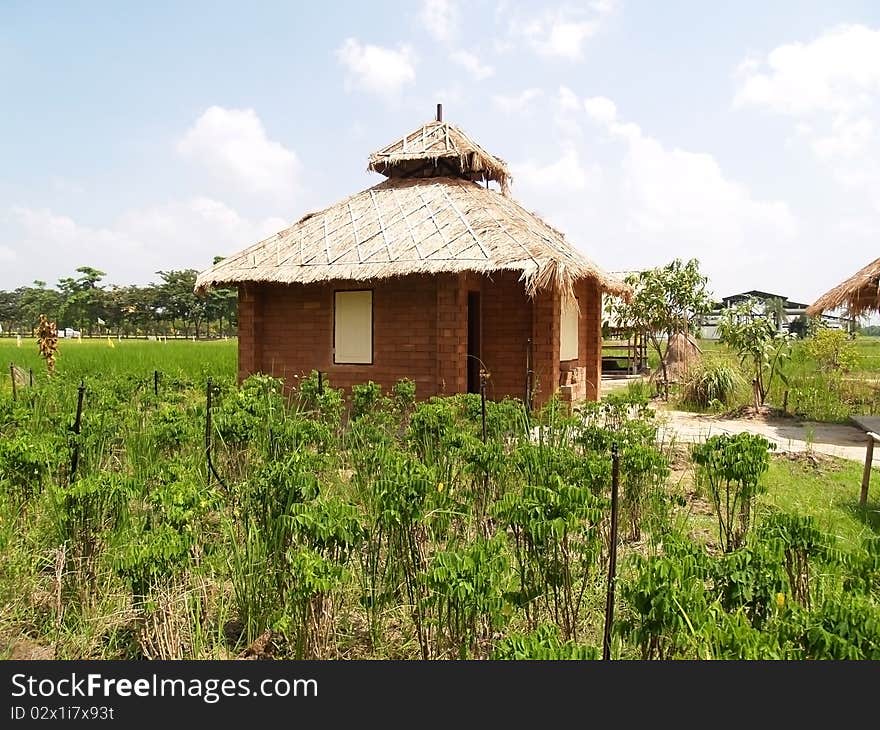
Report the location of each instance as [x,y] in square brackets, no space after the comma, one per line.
[473,342]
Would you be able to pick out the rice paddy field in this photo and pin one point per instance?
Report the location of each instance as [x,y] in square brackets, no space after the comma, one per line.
[93,358]
[369,524]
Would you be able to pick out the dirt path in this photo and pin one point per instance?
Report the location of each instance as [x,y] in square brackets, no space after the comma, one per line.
[789,435]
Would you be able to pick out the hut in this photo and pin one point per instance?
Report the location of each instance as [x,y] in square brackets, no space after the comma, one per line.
[430,275]
[860,294]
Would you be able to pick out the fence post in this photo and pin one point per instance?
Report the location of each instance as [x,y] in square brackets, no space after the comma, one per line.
[866,474]
[12,375]
[77,425]
[612,558]
[212,471]
[208,389]
[483,401]
[31,377]
[529,374]
[156,382]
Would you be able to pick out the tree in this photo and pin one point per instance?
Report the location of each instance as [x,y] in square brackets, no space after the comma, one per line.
[82,297]
[221,305]
[80,301]
[179,299]
[666,301]
[34,301]
[751,330]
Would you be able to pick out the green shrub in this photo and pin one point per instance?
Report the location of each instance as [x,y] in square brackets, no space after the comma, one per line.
[711,384]
[365,398]
[832,350]
[731,468]
[544,643]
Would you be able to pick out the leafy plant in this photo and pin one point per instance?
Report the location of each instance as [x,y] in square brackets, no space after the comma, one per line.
[544,643]
[750,329]
[365,398]
[731,468]
[667,601]
[833,350]
[666,301]
[466,589]
[557,544]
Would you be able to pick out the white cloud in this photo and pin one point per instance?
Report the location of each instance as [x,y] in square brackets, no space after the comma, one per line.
[837,72]
[848,137]
[185,234]
[601,109]
[830,88]
[375,69]
[604,7]
[568,100]
[631,201]
[670,190]
[472,64]
[233,145]
[517,103]
[560,33]
[567,172]
[440,18]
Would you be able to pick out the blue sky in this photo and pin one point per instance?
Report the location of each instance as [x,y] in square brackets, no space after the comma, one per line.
[143,136]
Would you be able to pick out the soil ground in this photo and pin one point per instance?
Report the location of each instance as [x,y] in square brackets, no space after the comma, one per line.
[789,435]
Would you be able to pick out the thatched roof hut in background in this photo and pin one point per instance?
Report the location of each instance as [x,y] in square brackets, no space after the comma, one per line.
[683,353]
[860,294]
[434,235]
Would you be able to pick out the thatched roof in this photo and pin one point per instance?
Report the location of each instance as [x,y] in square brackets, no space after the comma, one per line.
[431,216]
[857,295]
[439,149]
[414,225]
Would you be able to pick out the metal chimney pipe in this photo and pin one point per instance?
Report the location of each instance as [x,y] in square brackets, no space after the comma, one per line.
[439,112]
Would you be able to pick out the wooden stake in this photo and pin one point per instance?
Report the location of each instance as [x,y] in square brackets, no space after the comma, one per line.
[612,558]
[866,475]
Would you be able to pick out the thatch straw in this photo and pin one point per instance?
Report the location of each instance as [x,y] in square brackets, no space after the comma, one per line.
[414,225]
[682,354]
[857,295]
[440,149]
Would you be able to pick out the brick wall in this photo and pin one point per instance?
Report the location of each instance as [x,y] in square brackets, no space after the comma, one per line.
[250,320]
[296,334]
[420,332]
[451,334]
[546,314]
[507,326]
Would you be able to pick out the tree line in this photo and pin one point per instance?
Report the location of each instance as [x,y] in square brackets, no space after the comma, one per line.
[168,307]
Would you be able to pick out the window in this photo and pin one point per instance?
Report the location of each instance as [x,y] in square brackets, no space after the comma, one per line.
[568,331]
[353,327]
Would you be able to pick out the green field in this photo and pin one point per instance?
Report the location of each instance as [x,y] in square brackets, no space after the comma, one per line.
[94,359]
[369,525]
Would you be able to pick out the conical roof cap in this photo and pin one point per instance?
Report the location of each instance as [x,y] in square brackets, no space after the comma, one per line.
[439,149]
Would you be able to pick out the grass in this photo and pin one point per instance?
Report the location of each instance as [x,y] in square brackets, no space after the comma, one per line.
[828,490]
[91,358]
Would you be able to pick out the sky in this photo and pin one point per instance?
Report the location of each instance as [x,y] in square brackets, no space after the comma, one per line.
[139,137]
